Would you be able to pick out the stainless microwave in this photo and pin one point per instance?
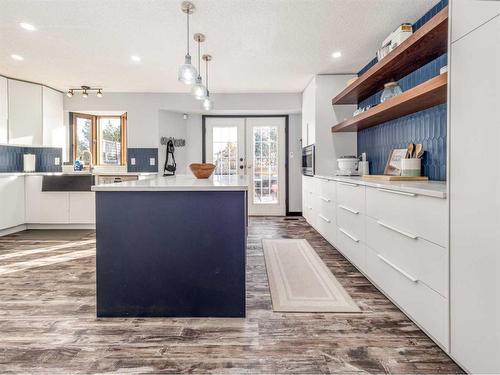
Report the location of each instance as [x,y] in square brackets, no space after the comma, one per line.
[308,160]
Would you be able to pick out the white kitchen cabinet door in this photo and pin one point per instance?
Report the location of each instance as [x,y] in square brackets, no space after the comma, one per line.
[309,114]
[11,201]
[54,134]
[25,113]
[4,111]
[467,15]
[82,207]
[45,207]
[475,199]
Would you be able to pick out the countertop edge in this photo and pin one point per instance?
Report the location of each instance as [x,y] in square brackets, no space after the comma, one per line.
[402,186]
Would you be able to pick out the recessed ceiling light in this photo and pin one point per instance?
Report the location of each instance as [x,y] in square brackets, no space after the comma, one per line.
[336,54]
[27,26]
[17,57]
[135,58]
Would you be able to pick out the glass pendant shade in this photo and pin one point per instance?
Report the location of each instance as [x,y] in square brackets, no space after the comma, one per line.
[198,90]
[187,72]
[207,104]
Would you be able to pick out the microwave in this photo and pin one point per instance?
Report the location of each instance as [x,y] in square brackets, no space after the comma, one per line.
[308,160]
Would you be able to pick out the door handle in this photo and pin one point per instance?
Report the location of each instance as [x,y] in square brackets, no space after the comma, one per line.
[402,272]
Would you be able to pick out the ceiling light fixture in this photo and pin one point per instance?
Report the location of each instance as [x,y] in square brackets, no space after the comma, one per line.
[27,26]
[207,103]
[336,54]
[187,72]
[198,90]
[17,57]
[85,92]
[135,58]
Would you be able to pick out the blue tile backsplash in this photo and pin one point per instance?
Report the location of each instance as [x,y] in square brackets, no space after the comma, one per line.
[142,156]
[427,127]
[11,158]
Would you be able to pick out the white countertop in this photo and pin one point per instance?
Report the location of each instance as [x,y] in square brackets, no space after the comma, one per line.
[179,183]
[429,188]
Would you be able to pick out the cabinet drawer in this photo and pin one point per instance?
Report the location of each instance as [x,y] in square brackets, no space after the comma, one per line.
[351,195]
[421,259]
[327,228]
[423,216]
[326,189]
[351,221]
[351,247]
[426,307]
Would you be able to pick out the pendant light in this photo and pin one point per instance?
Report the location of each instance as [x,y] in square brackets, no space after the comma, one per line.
[207,103]
[187,72]
[198,90]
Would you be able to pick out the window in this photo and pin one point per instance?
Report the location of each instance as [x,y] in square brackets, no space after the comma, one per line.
[103,137]
[225,150]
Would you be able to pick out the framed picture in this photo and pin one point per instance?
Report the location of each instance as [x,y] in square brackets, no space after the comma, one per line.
[393,166]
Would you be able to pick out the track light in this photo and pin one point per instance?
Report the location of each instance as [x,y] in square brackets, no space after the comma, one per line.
[85,93]
[99,93]
[70,93]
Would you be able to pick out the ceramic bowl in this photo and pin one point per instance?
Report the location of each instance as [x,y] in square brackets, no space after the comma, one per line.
[202,170]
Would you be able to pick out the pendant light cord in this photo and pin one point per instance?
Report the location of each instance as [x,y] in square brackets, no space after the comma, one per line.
[199,58]
[206,74]
[187,35]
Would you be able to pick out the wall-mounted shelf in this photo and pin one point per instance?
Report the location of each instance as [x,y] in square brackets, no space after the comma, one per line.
[426,95]
[424,45]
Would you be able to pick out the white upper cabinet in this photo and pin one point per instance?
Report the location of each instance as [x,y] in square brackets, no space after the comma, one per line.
[53,124]
[475,207]
[467,15]
[25,113]
[4,110]
[308,114]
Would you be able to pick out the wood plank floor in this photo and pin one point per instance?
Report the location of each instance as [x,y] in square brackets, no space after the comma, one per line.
[48,324]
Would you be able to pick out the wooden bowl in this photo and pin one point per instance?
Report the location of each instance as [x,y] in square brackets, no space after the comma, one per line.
[202,170]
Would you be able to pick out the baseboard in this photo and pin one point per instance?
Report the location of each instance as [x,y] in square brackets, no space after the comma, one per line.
[60,226]
[17,228]
[295,213]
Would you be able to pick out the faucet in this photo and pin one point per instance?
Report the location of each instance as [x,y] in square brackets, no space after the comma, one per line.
[91,165]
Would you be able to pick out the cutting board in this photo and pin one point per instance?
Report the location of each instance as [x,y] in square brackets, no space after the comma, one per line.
[383,177]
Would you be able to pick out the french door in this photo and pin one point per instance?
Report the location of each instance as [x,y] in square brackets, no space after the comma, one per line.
[254,147]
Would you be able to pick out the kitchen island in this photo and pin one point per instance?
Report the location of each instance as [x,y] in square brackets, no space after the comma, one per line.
[171,246]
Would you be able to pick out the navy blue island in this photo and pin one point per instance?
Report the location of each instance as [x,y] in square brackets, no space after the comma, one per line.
[171,247]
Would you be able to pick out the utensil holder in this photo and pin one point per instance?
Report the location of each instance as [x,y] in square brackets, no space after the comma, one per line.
[411,167]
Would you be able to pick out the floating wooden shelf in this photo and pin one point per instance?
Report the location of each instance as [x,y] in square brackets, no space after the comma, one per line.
[424,45]
[428,94]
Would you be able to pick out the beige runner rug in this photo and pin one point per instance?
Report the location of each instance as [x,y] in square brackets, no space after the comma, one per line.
[300,281]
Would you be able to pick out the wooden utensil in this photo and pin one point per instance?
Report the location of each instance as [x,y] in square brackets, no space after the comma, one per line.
[419,150]
[410,149]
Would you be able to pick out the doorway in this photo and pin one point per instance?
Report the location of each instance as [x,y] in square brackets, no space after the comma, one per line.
[256,147]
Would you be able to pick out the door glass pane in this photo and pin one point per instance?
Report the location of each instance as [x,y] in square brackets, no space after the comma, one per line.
[265,164]
[225,150]
[83,138]
[110,136]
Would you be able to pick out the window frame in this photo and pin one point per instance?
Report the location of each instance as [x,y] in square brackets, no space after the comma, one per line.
[96,157]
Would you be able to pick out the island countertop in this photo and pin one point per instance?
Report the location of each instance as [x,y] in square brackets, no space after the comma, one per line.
[179,183]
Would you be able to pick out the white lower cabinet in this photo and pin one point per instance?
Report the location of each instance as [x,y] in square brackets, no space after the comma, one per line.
[425,306]
[82,207]
[45,207]
[11,201]
[397,239]
[57,207]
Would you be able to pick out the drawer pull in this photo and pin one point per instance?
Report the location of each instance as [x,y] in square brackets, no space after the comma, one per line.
[348,235]
[325,199]
[349,209]
[397,192]
[404,273]
[412,236]
[347,183]
[324,218]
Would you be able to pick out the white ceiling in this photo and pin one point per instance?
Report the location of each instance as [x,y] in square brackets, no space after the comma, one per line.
[257,45]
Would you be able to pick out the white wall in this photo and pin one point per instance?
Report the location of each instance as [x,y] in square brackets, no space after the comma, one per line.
[142,109]
[330,146]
